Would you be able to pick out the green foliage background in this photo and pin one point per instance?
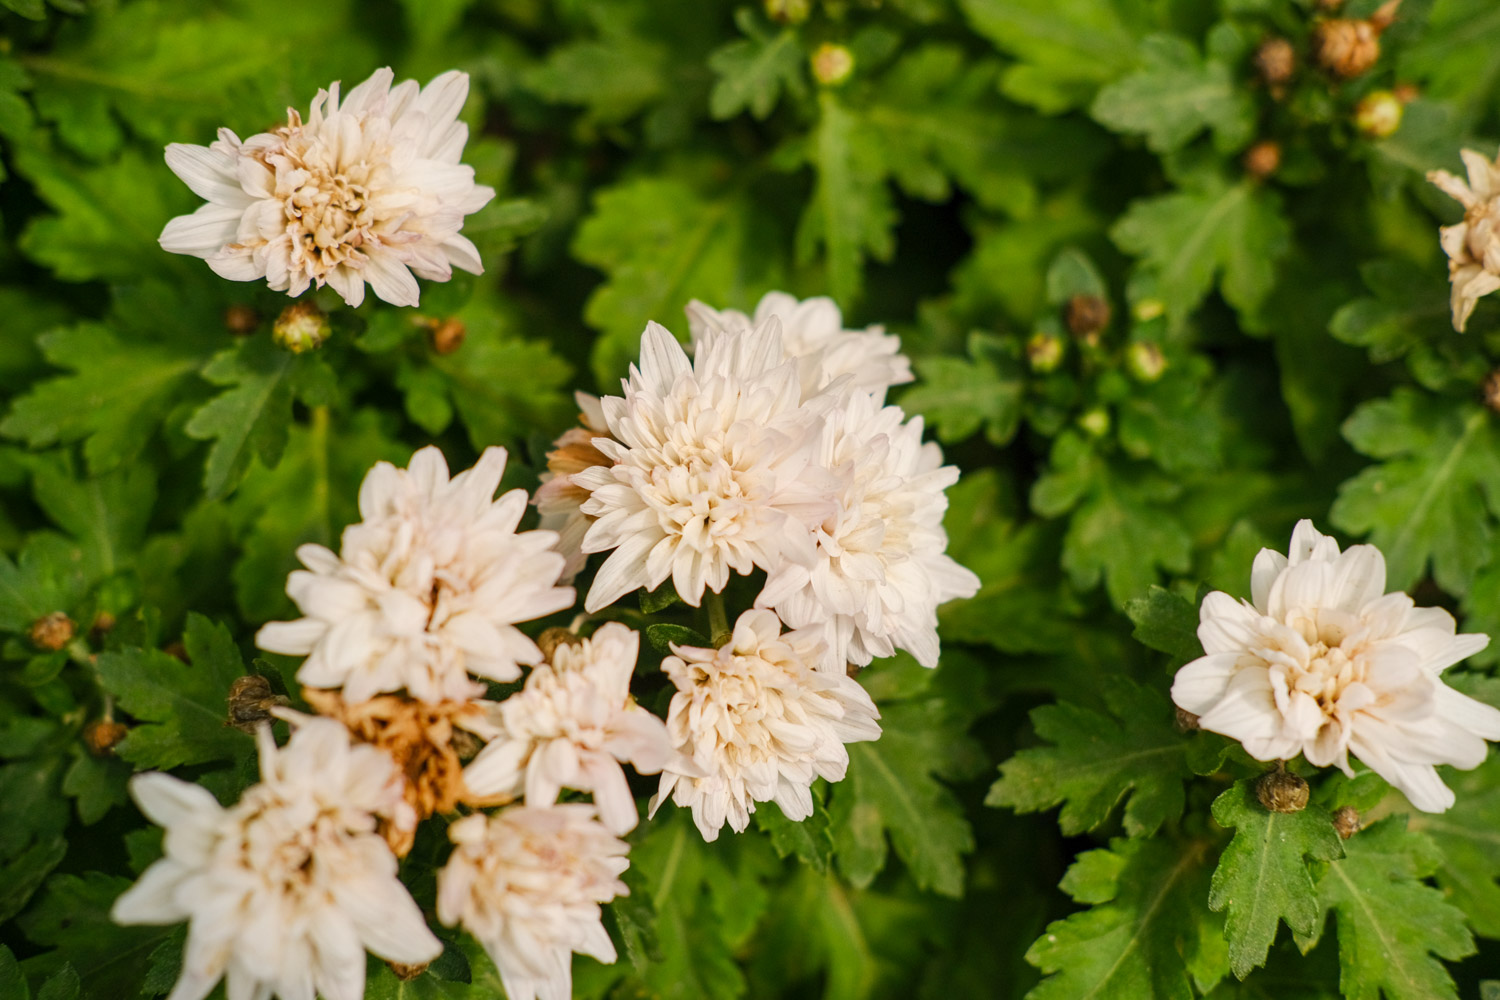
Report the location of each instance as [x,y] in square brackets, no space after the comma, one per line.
[986,162]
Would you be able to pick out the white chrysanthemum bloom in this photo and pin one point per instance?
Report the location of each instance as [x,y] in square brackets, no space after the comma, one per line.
[571,726]
[711,467]
[1324,663]
[284,891]
[367,190]
[527,883]
[1472,246]
[761,722]
[426,590]
[812,333]
[882,567]
[557,500]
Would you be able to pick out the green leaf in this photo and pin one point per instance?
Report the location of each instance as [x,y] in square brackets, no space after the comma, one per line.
[615,79]
[49,575]
[1263,877]
[1392,926]
[107,513]
[662,635]
[72,917]
[1425,502]
[62,985]
[115,399]
[23,875]
[1407,307]
[1468,837]
[1096,760]
[1189,238]
[33,9]
[961,396]
[1064,49]
[383,984]
[182,706]
[1147,933]
[1167,622]
[96,784]
[809,839]
[753,71]
[1175,95]
[249,419]
[12,982]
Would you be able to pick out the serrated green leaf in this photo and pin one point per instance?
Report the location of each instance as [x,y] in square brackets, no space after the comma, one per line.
[1263,878]
[48,575]
[249,419]
[95,784]
[106,513]
[1175,95]
[1096,760]
[12,982]
[383,984]
[754,71]
[1064,48]
[72,917]
[1468,837]
[1167,622]
[808,839]
[61,985]
[960,396]
[182,706]
[23,875]
[1406,308]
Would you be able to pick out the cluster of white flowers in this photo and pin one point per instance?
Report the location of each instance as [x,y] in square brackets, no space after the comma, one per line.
[1473,245]
[1323,662]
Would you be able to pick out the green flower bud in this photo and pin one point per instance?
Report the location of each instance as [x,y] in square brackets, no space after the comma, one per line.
[1378,114]
[1045,351]
[1145,361]
[832,64]
[1095,422]
[300,327]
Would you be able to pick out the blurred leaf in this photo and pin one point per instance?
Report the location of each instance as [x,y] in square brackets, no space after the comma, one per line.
[1175,95]
[72,917]
[1064,49]
[1466,836]
[960,396]
[1166,622]
[753,71]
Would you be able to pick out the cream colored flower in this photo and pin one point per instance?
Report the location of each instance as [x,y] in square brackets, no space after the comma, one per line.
[559,501]
[367,190]
[1473,245]
[571,727]
[527,883]
[712,467]
[426,590]
[813,334]
[284,891]
[760,722]
[1322,662]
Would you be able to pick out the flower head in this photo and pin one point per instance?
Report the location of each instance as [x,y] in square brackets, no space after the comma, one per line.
[369,189]
[426,589]
[813,334]
[881,568]
[571,727]
[1473,245]
[558,500]
[760,722]
[1324,663]
[284,891]
[711,467]
[527,883]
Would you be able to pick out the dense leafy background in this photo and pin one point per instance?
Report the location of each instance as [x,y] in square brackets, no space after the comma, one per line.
[1279,347]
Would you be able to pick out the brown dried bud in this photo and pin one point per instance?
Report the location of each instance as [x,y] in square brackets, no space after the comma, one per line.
[1346,821]
[551,638]
[406,973]
[51,632]
[1276,62]
[1086,314]
[1490,390]
[250,702]
[1282,791]
[102,736]
[1263,159]
[1185,722]
[447,336]
[466,744]
[241,320]
[300,327]
[1346,48]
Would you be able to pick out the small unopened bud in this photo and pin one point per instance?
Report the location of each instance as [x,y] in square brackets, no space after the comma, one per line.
[1095,422]
[1263,159]
[551,638]
[1146,310]
[1185,721]
[406,973]
[832,64]
[788,11]
[1276,62]
[851,670]
[1378,114]
[1406,92]
[1044,351]
[1145,361]
[51,632]
[1282,791]
[1346,48]
[176,651]
[1490,390]
[102,736]
[1346,821]
[300,327]
[465,744]
[241,320]
[447,336]
[251,701]
[1086,314]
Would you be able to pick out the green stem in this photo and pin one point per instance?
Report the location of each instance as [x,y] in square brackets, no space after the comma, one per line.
[718,619]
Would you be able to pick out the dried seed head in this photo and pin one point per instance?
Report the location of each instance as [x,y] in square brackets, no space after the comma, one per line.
[1044,351]
[832,64]
[1276,62]
[788,11]
[1263,159]
[102,736]
[447,336]
[1490,390]
[1086,314]
[551,638]
[1346,822]
[1145,361]
[250,702]
[1346,48]
[1282,791]
[1185,722]
[1378,114]
[406,973]
[300,327]
[241,320]
[51,632]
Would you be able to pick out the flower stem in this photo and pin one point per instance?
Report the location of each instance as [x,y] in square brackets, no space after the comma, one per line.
[718,619]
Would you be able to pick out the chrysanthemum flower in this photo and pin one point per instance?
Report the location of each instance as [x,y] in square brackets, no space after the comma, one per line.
[557,499]
[1473,245]
[760,722]
[881,568]
[527,883]
[813,334]
[571,726]
[284,891]
[367,190]
[711,467]
[426,589]
[1324,663]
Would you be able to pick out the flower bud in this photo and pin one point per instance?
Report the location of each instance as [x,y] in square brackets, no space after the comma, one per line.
[447,336]
[1044,351]
[300,327]
[1263,159]
[102,736]
[1349,48]
[251,701]
[1282,791]
[1185,721]
[241,320]
[1346,822]
[1095,422]
[1086,314]
[406,973]
[832,64]
[1276,62]
[551,638]
[1378,114]
[1146,310]
[788,11]
[51,632]
[1145,361]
